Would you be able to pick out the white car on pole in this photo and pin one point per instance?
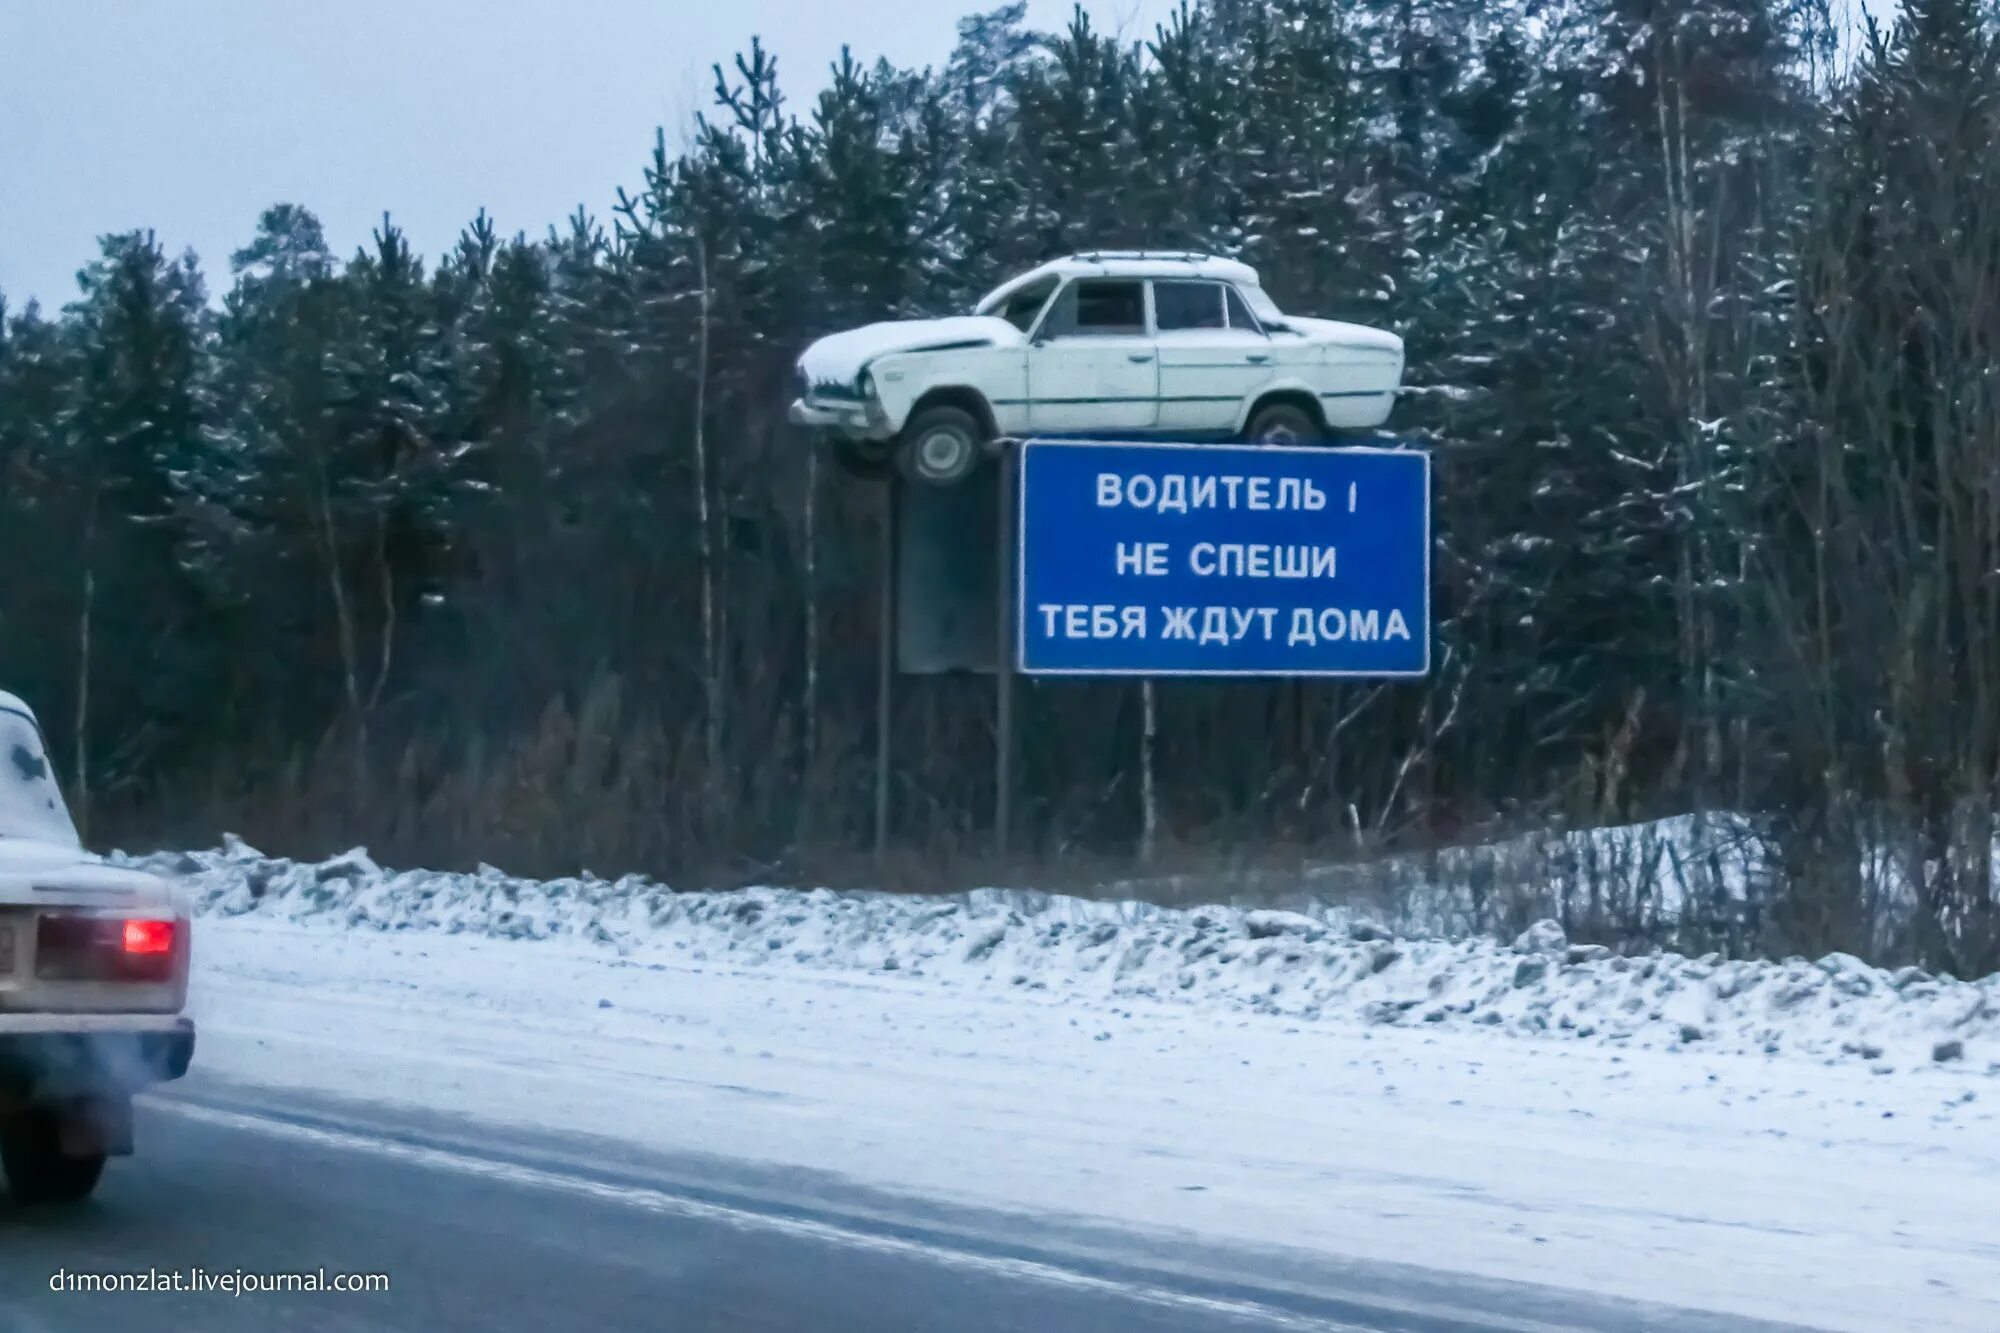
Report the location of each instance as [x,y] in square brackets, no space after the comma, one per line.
[93,976]
[1130,344]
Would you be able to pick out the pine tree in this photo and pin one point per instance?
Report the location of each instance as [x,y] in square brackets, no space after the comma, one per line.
[39,514]
[279,349]
[383,494]
[133,446]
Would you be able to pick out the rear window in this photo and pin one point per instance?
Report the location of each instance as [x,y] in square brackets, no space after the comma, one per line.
[1187,305]
[31,804]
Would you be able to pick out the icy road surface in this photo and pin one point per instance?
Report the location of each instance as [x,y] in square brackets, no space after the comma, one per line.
[484,1230]
[1838,1194]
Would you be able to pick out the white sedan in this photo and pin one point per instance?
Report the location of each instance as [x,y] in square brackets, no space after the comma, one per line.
[1129,344]
[93,976]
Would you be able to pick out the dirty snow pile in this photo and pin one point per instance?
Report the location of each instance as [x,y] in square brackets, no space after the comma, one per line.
[1313,964]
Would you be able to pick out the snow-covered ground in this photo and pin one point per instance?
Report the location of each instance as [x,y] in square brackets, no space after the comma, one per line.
[1793,1141]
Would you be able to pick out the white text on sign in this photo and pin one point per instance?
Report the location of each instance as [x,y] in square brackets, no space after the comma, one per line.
[1176,493]
[1222,624]
[1251,560]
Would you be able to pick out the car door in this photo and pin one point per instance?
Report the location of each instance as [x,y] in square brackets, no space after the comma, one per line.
[1093,367]
[1213,358]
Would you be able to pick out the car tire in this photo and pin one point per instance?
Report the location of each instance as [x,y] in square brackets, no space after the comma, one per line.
[37,1169]
[941,446]
[1283,423]
[868,460]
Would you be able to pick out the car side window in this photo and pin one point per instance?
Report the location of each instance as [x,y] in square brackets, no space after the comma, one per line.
[1099,308]
[1187,305]
[1239,313]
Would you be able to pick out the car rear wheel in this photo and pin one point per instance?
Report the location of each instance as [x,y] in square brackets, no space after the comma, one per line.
[940,446]
[1282,423]
[38,1171]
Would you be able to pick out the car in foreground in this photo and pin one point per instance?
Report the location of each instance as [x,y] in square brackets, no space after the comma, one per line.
[93,978]
[1125,344]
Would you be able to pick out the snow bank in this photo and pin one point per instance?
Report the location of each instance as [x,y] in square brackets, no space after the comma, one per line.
[1309,964]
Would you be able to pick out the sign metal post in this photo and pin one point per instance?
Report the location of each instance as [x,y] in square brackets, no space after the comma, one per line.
[1007,461]
[1167,560]
[885,661]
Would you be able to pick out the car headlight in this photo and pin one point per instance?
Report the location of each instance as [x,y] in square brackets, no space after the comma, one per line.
[864,384]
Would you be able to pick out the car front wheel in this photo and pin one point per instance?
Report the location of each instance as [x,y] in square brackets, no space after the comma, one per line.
[1282,423]
[940,446]
[38,1171]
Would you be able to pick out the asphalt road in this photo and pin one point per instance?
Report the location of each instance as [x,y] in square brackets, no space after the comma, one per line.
[481,1229]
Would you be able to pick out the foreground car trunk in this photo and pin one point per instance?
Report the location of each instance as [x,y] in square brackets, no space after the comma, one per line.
[93,975]
[79,936]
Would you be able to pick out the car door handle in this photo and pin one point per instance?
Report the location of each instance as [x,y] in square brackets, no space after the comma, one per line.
[1258,358]
[1140,358]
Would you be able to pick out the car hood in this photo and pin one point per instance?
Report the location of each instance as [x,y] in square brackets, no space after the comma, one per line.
[55,874]
[1351,337]
[837,361]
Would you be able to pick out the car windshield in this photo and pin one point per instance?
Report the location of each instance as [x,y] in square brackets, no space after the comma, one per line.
[31,804]
[1020,308]
[1261,304]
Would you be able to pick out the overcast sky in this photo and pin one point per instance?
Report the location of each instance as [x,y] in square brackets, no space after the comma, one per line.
[191,116]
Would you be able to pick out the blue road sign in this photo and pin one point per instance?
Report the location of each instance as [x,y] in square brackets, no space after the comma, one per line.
[1223,560]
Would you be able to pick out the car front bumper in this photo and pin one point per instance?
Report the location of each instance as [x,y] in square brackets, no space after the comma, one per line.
[859,419]
[77,1054]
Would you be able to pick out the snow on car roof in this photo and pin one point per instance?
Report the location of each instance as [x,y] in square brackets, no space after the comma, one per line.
[1128,264]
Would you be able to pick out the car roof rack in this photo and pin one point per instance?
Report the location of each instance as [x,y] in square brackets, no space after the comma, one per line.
[1177,256]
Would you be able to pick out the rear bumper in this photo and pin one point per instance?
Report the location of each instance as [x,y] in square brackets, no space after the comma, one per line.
[76,1054]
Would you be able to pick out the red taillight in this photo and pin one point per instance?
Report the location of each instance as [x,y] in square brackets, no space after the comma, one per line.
[147,937]
[83,946]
